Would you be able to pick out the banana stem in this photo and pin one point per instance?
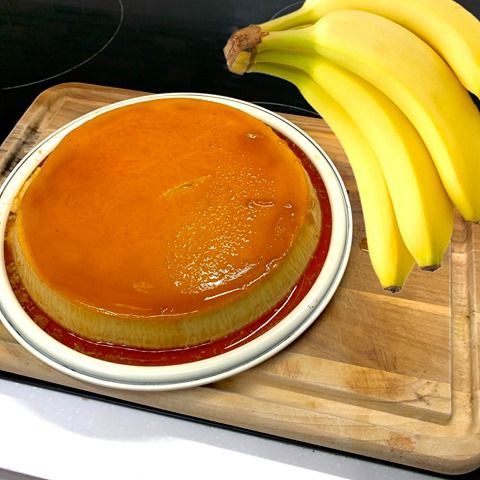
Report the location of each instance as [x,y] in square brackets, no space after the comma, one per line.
[297,39]
[244,44]
[302,16]
[302,61]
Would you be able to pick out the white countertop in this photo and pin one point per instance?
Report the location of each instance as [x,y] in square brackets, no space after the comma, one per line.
[55,435]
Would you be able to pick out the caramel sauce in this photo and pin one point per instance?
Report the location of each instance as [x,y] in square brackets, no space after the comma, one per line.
[184,225]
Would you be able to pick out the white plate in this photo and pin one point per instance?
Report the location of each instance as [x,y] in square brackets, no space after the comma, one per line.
[105,373]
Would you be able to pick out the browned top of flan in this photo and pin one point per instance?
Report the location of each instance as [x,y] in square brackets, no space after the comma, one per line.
[163,207]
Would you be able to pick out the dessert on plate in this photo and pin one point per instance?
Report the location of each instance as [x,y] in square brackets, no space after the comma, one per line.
[164,224]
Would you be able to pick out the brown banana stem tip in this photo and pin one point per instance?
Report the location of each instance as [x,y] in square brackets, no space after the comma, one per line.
[393,289]
[243,40]
[431,268]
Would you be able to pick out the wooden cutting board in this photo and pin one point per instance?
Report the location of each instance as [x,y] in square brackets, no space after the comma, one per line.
[394,377]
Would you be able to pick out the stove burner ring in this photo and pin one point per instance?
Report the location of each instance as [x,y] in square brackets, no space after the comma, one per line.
[83,62]
[286,108]
[288,9]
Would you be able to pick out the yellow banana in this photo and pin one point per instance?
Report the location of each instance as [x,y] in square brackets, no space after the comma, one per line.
[445,25]
[407,71]
[391,260]
[423,210]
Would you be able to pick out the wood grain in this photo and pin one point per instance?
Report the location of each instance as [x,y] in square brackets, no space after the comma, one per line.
[388,376]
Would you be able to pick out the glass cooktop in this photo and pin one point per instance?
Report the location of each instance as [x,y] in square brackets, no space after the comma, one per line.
[157,46]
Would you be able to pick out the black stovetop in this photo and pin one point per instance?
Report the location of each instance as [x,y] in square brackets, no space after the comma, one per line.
[149,45]
[156,46]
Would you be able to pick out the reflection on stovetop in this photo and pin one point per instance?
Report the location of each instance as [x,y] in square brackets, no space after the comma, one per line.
[47,40]
[149,45]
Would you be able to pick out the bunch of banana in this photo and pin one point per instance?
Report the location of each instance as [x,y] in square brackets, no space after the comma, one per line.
[443,24]
[391,79]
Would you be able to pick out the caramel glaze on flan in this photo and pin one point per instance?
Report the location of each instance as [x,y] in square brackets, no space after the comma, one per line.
[164,224]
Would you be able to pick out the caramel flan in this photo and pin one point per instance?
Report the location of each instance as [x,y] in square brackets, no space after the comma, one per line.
[164,224]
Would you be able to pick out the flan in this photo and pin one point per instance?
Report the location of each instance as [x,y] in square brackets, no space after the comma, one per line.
[164,224]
